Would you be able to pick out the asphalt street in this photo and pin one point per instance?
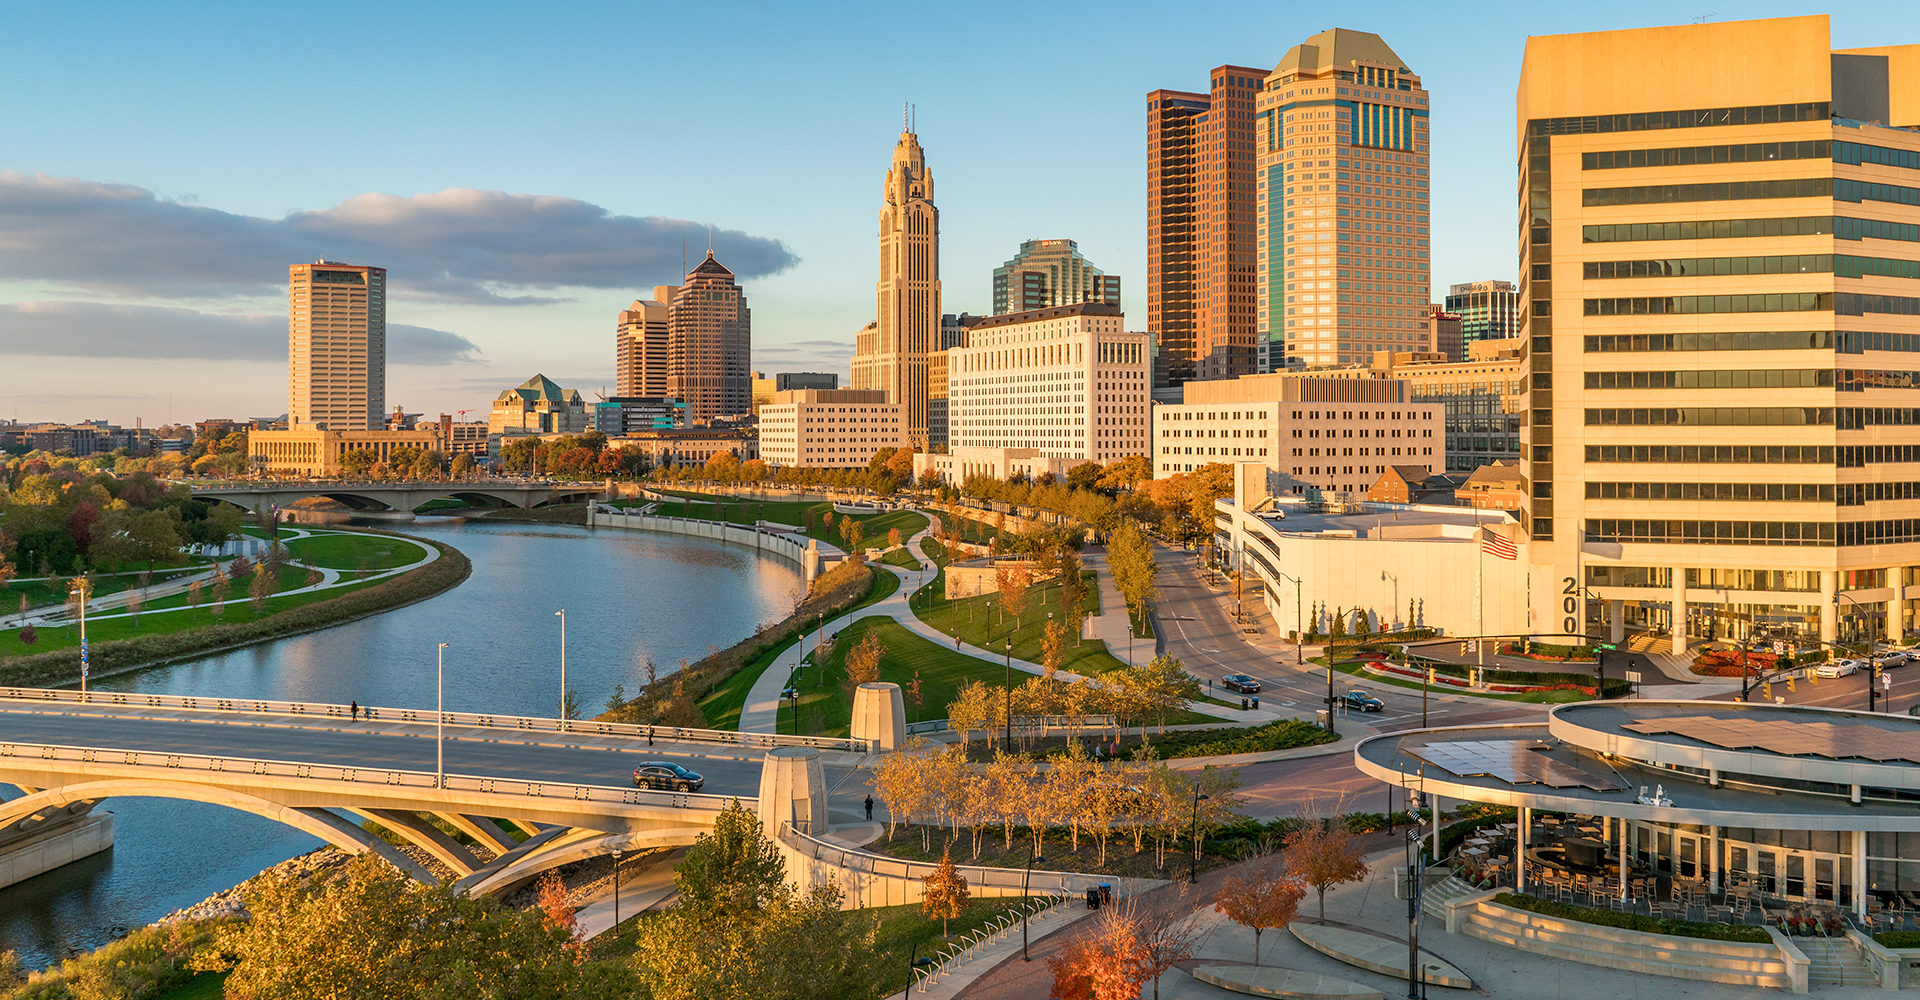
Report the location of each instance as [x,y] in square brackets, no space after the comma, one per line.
[493,753]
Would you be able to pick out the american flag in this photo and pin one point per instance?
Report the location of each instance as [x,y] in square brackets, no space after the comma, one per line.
[1495,545]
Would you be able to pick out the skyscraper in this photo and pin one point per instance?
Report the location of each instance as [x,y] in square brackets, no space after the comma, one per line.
[1050,273]
[1201,266]
[709,342]
[1488,310]
[641,351]
[1718,286]
[1342,203]
[892,353]
[336,346]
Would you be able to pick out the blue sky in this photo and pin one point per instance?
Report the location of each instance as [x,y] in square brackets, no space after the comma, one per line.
[162,164]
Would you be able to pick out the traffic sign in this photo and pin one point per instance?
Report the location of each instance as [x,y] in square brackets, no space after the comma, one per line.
[1633,677]
[1886,682]
[1779,647]
[1608,646]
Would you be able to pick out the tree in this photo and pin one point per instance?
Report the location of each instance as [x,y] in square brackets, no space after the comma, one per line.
[1167,686]
[893,538]
[266,580]
[194,595]
[945,893]
[462,466]
[1263,898]
[135,601]
[800,946]
[1324,854]
[733,869]
[1012,580]
[374,933]
[863,660]
[360,461]
[1129,944]
[1130,560]
[552,901]
[916,696]
[970,711]
[1053,646]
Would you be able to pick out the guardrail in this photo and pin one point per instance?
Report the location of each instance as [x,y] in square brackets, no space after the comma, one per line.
[1038,723]
[948,959]
[519,723]
[309,772]
[980,877]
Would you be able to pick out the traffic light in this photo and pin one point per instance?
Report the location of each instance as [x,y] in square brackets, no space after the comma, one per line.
[1463,648]
[1766,690]
[1790,686]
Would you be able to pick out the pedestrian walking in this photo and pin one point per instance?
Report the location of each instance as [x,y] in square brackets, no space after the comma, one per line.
[869,808]
[354,708]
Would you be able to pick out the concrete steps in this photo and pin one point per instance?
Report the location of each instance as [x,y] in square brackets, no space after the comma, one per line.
[1835,962]
[1436,896]
[1651,954]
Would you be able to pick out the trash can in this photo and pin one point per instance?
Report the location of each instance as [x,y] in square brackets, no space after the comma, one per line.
[1243,704]
[1093,897]
[1320,717]
[1106,893]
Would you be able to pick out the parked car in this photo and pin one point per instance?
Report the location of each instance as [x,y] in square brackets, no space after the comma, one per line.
[1360,701]
[1241,683]
[1889,658]
[666,776]
[1837,668]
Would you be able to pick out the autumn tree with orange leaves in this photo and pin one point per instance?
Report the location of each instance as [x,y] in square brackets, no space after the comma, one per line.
[1266,897]
[1324,854]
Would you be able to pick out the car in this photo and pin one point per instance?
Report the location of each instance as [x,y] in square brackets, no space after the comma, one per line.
[666,776]
[1242,683]
[1837,668]
[1360,701]
[1889,658]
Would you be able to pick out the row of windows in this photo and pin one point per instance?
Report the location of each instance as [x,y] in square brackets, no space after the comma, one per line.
[1750,340]
[1686,156]
[1856,153]
[1740,492]
[1709,229]
[1709,454]
[1761,114]
[1852,190]
[1713,416]
[1664,305]
[1853,418]
[1800,580]
[1861,379]
[1697,267]
[1855,494]
[1856,304]
[1664,194]
[1715,532]
[1789,378]
[1859,456]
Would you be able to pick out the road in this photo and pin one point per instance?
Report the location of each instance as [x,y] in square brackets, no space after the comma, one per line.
[493,753]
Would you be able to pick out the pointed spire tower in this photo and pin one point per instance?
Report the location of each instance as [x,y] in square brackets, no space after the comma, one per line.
[892,354]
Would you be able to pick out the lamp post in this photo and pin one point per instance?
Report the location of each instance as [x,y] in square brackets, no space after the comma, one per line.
[82,591]
[1385,575]
[1007,685]
[616,891]
[1129,643]
[563,668]
[1872,670]
[1193,862]
[1299,622]
[1026,883]
[440,717]
[1416,983]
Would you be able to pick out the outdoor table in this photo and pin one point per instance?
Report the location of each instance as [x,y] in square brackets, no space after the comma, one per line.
[1474,851]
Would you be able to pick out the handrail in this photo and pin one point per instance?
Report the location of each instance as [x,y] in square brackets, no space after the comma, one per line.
[307,772]
[968,947]
[480,720]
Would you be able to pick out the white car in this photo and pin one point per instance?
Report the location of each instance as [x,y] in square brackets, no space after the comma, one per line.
[1890,658]
[1837,668]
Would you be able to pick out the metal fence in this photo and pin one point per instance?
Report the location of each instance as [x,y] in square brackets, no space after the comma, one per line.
[481,720]
[948,959]
[310,772]
[1022,723]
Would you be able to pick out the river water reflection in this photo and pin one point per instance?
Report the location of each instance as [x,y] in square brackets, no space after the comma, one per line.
[629,596]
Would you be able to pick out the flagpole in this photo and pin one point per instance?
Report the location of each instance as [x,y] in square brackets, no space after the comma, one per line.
[1480,593]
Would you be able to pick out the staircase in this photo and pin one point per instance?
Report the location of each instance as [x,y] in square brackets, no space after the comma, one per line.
[1649,642]
[1651,954]
[1435,895]
[1835,962]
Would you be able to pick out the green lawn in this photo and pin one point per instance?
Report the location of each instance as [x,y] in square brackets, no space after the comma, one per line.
[40,595]
[825,708]
[712,507]
[355,550]
[205,986]
[1353,668]
[935,552]
[967,529]
[722,707]
[984,623]
[902,558]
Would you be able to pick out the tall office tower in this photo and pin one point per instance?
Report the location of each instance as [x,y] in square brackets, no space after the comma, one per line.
[892,353]
[1342,203]
[1443,334]
[337,346]
[1718,285]
[1200,230]
[709,339]
[1488,310]
[1050,273]
[640,349]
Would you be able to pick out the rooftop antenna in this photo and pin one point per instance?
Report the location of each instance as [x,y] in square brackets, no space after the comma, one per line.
[1704,18]
[906,116]
[683,254]
[709,239]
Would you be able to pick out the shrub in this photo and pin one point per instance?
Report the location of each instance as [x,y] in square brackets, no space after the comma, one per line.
[1898,939]
[1284,734]
[1634,921]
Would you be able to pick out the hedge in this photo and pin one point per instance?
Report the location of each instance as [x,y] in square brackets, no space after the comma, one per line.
[1898,939]
[1284,734]
[1616,686]
[1635,922]
[62,666]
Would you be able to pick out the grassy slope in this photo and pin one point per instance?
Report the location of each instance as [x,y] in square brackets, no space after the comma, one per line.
[348,550]
[982,622]
[722,707]
[825,707]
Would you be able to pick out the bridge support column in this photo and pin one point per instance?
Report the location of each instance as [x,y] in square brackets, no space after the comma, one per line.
[793,790]
[812,562]
[880,715]
[66,840]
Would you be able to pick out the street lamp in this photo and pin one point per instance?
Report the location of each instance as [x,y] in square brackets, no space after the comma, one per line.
[563,668]
[1385,575]
[1026,883]
[1299,622]
[1416,982]
[1129,642]
[440,717]
[1008,685]
[616,892]
[1872,669]
[82,590]
[1193,865]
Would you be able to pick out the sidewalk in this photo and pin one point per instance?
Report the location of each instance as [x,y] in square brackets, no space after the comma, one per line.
[1006,949]
[639,892]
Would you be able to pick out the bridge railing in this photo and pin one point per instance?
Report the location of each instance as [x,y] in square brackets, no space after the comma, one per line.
[255,766]
[481,720]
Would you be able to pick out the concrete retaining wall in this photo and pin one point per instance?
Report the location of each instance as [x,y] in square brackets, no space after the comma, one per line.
[792,547]
[44,853]
[877,880]
[1778,964]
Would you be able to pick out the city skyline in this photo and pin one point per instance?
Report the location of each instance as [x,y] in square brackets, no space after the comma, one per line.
[510,260]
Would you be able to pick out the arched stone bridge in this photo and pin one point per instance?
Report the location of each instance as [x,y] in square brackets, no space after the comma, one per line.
[526,795]
[376,496]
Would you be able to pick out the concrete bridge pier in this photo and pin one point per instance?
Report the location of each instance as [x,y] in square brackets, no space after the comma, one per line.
[793,791]
[49,838]
[880,715]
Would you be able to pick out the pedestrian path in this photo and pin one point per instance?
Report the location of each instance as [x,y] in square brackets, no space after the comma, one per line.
[1008,948]
[649,889]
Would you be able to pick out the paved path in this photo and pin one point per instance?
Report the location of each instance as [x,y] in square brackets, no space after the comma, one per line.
[761,713]
[641,889]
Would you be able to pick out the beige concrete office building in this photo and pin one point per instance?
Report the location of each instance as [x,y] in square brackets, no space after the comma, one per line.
[1719,285]
[829,428]
[709,343]
[1341,203]
[336,345]
[890,354]
[1336,435]
[317,453]
[1484,396]
[1068,381]
[640,347]
[538,406]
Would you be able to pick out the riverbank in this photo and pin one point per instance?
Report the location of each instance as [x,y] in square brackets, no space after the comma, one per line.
[447,569]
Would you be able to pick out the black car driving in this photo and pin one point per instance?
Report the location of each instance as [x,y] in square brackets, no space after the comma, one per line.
[1242,683]
[666,776]
[1360,701]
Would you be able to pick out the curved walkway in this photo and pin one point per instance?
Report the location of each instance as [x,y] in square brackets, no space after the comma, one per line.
[761,713]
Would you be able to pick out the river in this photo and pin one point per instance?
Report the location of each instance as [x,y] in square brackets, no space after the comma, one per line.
[629,596]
